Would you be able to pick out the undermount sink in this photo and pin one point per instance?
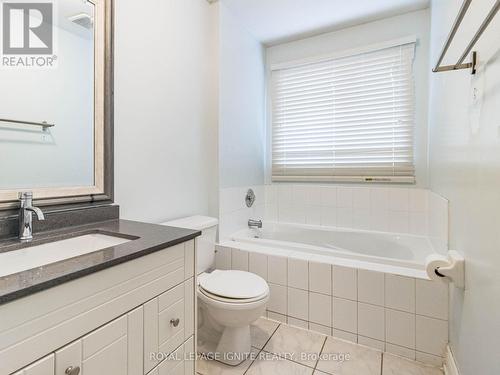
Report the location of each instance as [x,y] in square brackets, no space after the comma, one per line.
[40,255]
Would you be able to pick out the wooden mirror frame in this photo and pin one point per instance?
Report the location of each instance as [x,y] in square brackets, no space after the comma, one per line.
[102,190]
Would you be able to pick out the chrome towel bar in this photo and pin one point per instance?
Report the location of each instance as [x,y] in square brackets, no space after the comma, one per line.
[43,124]
[460,63]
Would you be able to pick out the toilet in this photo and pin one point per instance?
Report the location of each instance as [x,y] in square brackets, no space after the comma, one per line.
[229,301]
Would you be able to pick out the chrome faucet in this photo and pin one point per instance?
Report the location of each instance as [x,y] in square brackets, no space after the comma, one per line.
[254,223]
[26,216]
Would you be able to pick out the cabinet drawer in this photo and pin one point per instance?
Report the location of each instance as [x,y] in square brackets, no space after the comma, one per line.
[115,348]
[168,322]
[45,366]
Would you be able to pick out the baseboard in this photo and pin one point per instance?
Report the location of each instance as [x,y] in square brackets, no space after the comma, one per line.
[450,365]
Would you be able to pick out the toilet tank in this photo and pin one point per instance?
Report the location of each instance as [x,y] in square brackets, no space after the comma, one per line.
[205,244]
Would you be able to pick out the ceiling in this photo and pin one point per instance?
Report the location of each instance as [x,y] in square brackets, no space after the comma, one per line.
[68,8]
[277,21]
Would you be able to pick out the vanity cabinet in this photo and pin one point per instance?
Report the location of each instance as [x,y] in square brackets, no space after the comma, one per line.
[138,318]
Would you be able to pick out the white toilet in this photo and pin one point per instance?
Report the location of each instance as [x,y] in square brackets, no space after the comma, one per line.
[228,301]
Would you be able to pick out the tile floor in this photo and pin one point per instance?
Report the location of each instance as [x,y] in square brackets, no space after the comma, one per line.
[282,349]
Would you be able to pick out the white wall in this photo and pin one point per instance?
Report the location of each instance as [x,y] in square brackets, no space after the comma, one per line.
[165,109]
[414,23]
[64,154]
[241,105]
[465,168]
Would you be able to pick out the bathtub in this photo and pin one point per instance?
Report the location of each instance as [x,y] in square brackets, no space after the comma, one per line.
[343,282]
[405,254]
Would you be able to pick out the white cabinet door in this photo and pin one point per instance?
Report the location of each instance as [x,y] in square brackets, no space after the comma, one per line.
[168,321]
[45,366]
[180,362]
[115,348]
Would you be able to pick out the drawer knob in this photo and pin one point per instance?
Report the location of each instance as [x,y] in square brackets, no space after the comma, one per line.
[72,370]
[175,322]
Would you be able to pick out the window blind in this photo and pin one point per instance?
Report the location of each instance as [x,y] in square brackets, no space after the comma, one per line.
[349,118]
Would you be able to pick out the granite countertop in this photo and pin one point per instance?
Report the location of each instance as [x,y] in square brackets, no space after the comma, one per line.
[144,239]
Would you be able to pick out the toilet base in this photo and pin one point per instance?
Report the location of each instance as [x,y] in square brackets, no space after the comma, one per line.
[234,345]
[228,345]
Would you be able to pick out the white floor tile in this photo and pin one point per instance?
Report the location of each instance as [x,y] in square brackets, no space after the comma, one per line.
[274,365]
[360,361]
[291,342]
[261,331]
[211,367]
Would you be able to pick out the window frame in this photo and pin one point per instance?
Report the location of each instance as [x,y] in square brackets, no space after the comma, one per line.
[339,178]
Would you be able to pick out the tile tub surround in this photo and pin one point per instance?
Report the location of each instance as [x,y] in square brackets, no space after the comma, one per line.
[279,348]
[233,212]
[402,315]
[380,208]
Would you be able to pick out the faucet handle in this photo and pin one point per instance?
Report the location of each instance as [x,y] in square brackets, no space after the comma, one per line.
[25,194]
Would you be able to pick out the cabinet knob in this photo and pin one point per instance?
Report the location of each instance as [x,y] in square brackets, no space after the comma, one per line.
[175,322]
[72,370]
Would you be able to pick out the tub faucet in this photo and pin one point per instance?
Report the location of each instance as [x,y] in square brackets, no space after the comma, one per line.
[26,216]
[254,223]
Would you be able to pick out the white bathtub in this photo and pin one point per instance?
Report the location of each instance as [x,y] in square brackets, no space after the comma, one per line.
[404,254]
[318,280]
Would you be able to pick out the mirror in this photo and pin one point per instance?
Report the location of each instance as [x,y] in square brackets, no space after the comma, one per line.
[53,103]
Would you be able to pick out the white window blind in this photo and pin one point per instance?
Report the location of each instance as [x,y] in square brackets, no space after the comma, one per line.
[349,118]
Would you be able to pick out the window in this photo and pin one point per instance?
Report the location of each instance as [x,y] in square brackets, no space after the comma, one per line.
[345,119]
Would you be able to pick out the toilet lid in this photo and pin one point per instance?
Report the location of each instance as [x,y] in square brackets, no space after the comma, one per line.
[234,284]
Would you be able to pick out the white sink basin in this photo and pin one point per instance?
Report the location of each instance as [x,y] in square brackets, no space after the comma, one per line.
[40,255]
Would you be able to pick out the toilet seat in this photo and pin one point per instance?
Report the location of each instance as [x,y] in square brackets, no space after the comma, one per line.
[217,298]
[238,287]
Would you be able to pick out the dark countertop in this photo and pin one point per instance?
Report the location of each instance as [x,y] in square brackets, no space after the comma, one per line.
[145,239]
